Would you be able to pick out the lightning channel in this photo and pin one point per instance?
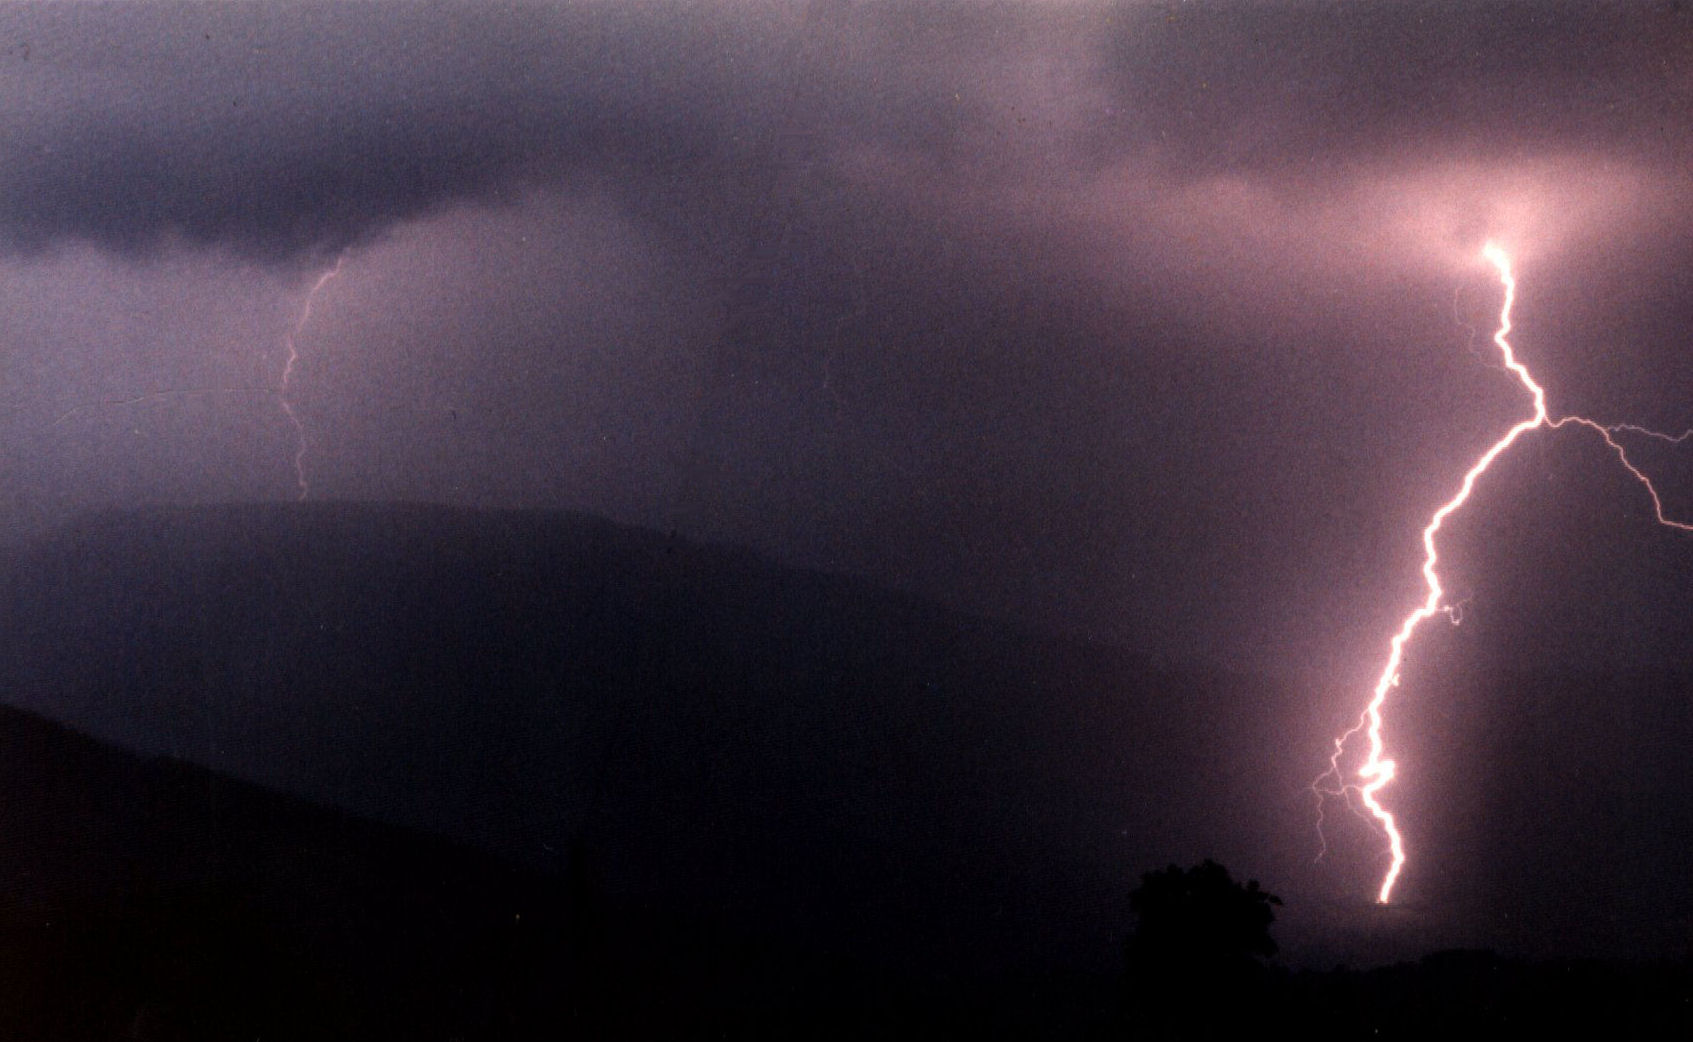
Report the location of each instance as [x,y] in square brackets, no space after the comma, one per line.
[293,359]
[1378,770]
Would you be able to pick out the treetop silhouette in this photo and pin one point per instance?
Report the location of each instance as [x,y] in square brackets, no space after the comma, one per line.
[1200,915]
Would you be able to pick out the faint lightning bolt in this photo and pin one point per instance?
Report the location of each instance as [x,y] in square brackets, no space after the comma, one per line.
[1377,770]
[300,443]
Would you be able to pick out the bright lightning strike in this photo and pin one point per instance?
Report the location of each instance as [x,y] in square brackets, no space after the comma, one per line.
[300,444]
[1377,770]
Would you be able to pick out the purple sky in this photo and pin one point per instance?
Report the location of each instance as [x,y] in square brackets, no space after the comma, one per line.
[1160,323]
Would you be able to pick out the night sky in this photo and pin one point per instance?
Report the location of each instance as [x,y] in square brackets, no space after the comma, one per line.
[1163,325]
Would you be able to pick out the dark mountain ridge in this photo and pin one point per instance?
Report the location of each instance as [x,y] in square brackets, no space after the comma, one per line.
[748,755]
[151,899]
[720,731]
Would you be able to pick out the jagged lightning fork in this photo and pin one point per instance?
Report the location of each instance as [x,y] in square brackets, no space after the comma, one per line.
[288,376]
[1377,770]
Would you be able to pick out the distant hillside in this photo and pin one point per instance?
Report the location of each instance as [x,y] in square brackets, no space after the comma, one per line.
[766,760]
[724,735]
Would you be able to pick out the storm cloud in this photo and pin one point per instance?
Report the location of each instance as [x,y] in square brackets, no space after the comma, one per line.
[276,131]
[1104,316]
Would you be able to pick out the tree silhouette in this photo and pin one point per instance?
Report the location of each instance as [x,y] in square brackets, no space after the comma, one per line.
[1194,957]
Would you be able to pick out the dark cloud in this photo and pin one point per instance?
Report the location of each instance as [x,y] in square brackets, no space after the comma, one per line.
[277,130]
[286,130]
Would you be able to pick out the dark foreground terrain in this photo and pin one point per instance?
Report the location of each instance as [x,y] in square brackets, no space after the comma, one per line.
[1451,994]
[149,899]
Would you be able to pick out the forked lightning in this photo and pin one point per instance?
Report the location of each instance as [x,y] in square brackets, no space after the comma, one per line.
[1377,770]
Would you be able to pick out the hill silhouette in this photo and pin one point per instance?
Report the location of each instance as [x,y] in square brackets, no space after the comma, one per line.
[740,742]
[150,899]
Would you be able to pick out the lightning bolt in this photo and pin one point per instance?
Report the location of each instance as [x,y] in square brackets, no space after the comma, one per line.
[1377,770]
[293,359]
